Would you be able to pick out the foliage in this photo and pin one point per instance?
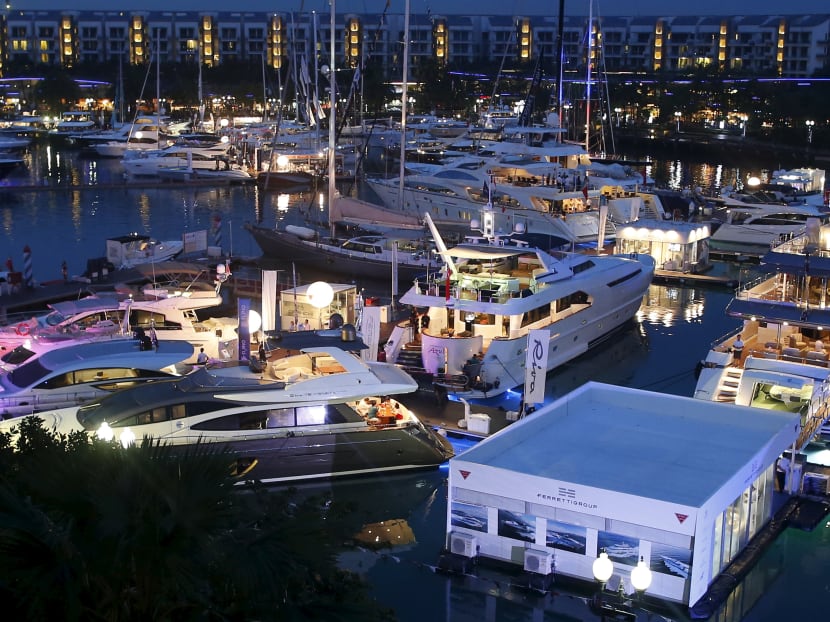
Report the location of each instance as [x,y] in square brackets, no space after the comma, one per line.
[90,531]
[57,92]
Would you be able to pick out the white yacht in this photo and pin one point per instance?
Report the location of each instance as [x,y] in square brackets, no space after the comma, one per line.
[749,229]
[171,313]
[523,191]
[205,157]
[783,364]
[494,290]
[133,249]
[321,412]
[69,376]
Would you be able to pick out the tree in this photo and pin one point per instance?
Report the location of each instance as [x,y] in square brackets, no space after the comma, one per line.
[90,531]
[57,92]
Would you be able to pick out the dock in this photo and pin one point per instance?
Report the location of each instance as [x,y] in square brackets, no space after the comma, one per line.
[675,277]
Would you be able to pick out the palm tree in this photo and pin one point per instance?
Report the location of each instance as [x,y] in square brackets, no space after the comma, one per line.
[90,531]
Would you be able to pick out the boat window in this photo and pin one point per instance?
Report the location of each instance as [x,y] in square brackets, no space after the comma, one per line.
[140,318]
[28,374]
[581,267]
[279,418]
[178,411]
[534,315]
[154,415]
[17,356]
[624,278]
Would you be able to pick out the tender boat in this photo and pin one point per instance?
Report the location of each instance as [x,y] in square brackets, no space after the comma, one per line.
[783,363]
[319,413]
[128,251]
[495,289]
[78,373]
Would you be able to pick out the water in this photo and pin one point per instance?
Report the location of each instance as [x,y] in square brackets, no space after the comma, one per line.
[657,352]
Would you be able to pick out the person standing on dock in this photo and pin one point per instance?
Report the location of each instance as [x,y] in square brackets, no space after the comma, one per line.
[64,271]
[738,348]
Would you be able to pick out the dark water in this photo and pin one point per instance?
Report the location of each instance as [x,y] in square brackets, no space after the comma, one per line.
[658,352]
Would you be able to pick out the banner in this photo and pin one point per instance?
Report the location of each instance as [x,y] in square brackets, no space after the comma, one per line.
[536,366]
[244,310]
[269,300]
[370,332]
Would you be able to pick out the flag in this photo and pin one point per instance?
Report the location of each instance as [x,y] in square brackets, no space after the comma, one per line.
[536,366]
[447,285]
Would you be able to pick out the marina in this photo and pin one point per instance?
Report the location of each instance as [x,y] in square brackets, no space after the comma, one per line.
[656,349]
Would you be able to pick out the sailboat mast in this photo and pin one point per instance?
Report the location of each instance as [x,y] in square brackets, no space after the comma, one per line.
[332,116]
[588,78]
[559,49]
[403,102]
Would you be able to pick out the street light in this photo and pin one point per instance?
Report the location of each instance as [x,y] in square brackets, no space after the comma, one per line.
[640,577]
[809,123]
[677,115]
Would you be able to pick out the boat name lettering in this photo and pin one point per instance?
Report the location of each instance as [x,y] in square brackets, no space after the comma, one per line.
[537,352]
[566,501]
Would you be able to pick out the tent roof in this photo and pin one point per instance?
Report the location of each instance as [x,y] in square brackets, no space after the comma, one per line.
[665,447]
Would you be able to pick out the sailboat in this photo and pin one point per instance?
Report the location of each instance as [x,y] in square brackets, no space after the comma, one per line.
[391,242]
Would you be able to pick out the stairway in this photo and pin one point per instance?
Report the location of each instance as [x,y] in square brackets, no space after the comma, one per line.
[410,356]
[727,389]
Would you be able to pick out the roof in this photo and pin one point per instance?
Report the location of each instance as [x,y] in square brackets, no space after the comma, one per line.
[665,447]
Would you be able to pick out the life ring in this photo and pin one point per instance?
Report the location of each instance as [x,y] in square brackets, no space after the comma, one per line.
[22,329]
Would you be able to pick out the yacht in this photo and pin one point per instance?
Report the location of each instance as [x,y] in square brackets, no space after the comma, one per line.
[133,249]
[76,374]
[541,196]
[783,363]
[494,289]
[170,313]
[203,157]
[622,550]
[676,566]
[752,229]
[320,412]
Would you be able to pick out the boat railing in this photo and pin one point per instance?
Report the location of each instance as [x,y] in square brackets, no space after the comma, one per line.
[725,341]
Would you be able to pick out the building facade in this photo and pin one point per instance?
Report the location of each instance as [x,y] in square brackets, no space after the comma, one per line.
[787,45]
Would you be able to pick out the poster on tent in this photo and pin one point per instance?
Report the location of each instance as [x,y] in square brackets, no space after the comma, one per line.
[517,526]
[469,516]
[536,366]
[621,549]
[565,536]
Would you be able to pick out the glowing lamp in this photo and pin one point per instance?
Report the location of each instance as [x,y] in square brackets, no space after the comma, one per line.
[641,576]
[127,438]
[254,321]
[320,294]
[602,568]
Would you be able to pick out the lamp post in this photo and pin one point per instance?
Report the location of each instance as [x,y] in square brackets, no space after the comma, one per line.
[602,569]
[677,115]
[809,123]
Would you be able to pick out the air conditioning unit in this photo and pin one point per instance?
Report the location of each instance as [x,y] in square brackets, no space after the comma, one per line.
[538,562]
[463,544]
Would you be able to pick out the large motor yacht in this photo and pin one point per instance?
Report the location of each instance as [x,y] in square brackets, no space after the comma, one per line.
[494,290]
[320,412]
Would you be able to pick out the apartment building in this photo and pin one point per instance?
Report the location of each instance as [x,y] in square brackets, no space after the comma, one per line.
[786,45]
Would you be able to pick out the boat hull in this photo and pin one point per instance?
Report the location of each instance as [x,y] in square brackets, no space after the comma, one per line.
[285,458]
[286,246]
